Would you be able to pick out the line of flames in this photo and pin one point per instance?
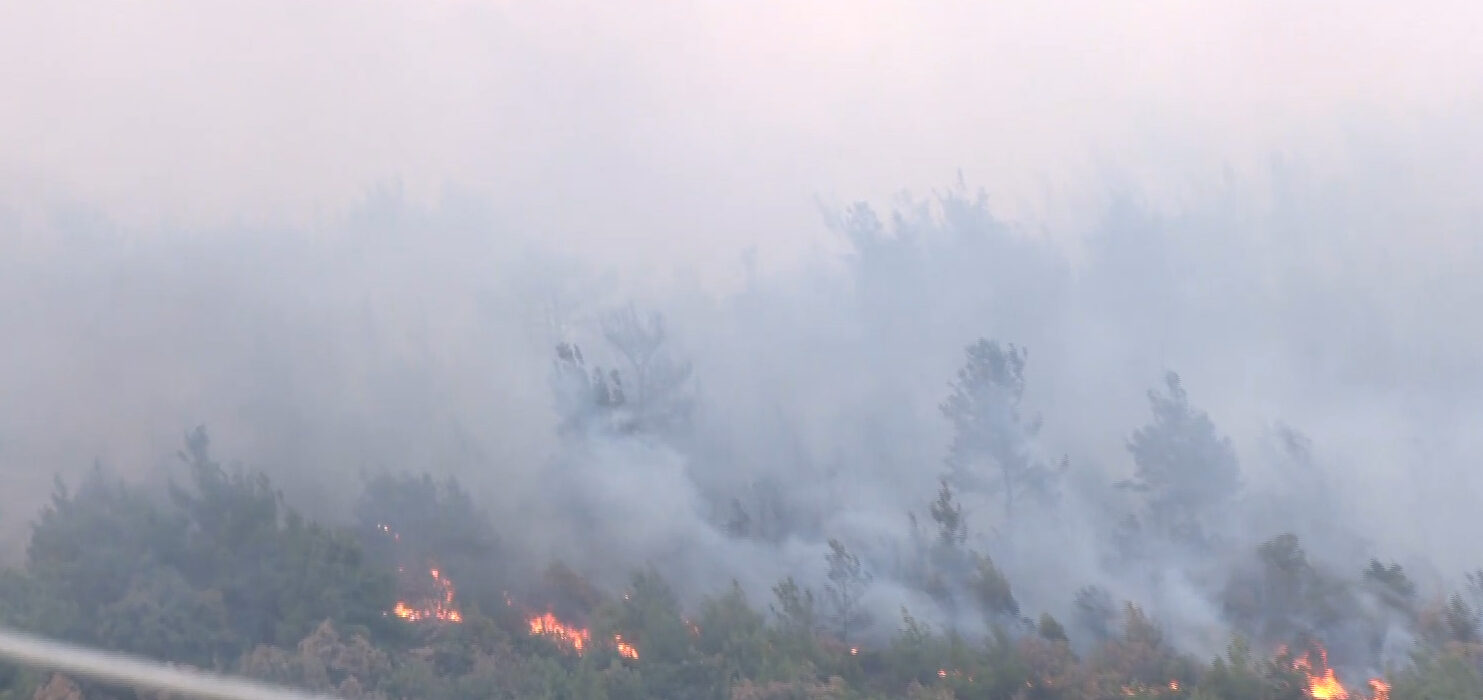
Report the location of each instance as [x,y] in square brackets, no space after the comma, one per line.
[444,610]
[1322,682]
[576,639]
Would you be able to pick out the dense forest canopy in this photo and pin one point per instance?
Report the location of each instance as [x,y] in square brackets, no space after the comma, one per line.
[953,464]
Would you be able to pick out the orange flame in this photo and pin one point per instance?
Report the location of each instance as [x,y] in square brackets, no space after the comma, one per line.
[1324,685]
[577,639]
[574,638]
[441,608]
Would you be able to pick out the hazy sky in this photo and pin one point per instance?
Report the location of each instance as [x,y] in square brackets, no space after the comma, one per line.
[682,125]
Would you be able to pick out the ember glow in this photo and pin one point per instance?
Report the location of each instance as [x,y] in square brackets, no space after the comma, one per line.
[955,673]
[1132,691]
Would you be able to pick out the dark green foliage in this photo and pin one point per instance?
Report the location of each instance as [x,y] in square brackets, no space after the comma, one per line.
[648,615]
[1139,657]
[223,575]
[990,449]
[916,653]
[566,589]
[1051,630]
[952,529]
[88,547]
[418,523]
[729,629]
[1185,468]
[999,671]
[438,518]
[1095,613]
[991,590]
[1453,675]
[956,576]
[1391,584]
[323,574]
[1240,676]
[162,616]
[797,619]
[1282,596]
[847,584]
[277,575]
[1461,621]
[221,567]
[231,513]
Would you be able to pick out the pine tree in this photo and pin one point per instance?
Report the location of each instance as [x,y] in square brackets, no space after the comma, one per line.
[1183,465]
[952,529]
[847,583]
[991,448]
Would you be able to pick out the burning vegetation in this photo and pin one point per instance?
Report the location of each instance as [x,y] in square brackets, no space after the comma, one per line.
[568,636]
[437,603]
[1319,680]
[429,596]
[1322,683]
[423,599]
[573,638]
[805,640]
[439,607]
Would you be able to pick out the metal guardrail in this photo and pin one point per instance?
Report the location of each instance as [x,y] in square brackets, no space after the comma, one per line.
[136,672]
